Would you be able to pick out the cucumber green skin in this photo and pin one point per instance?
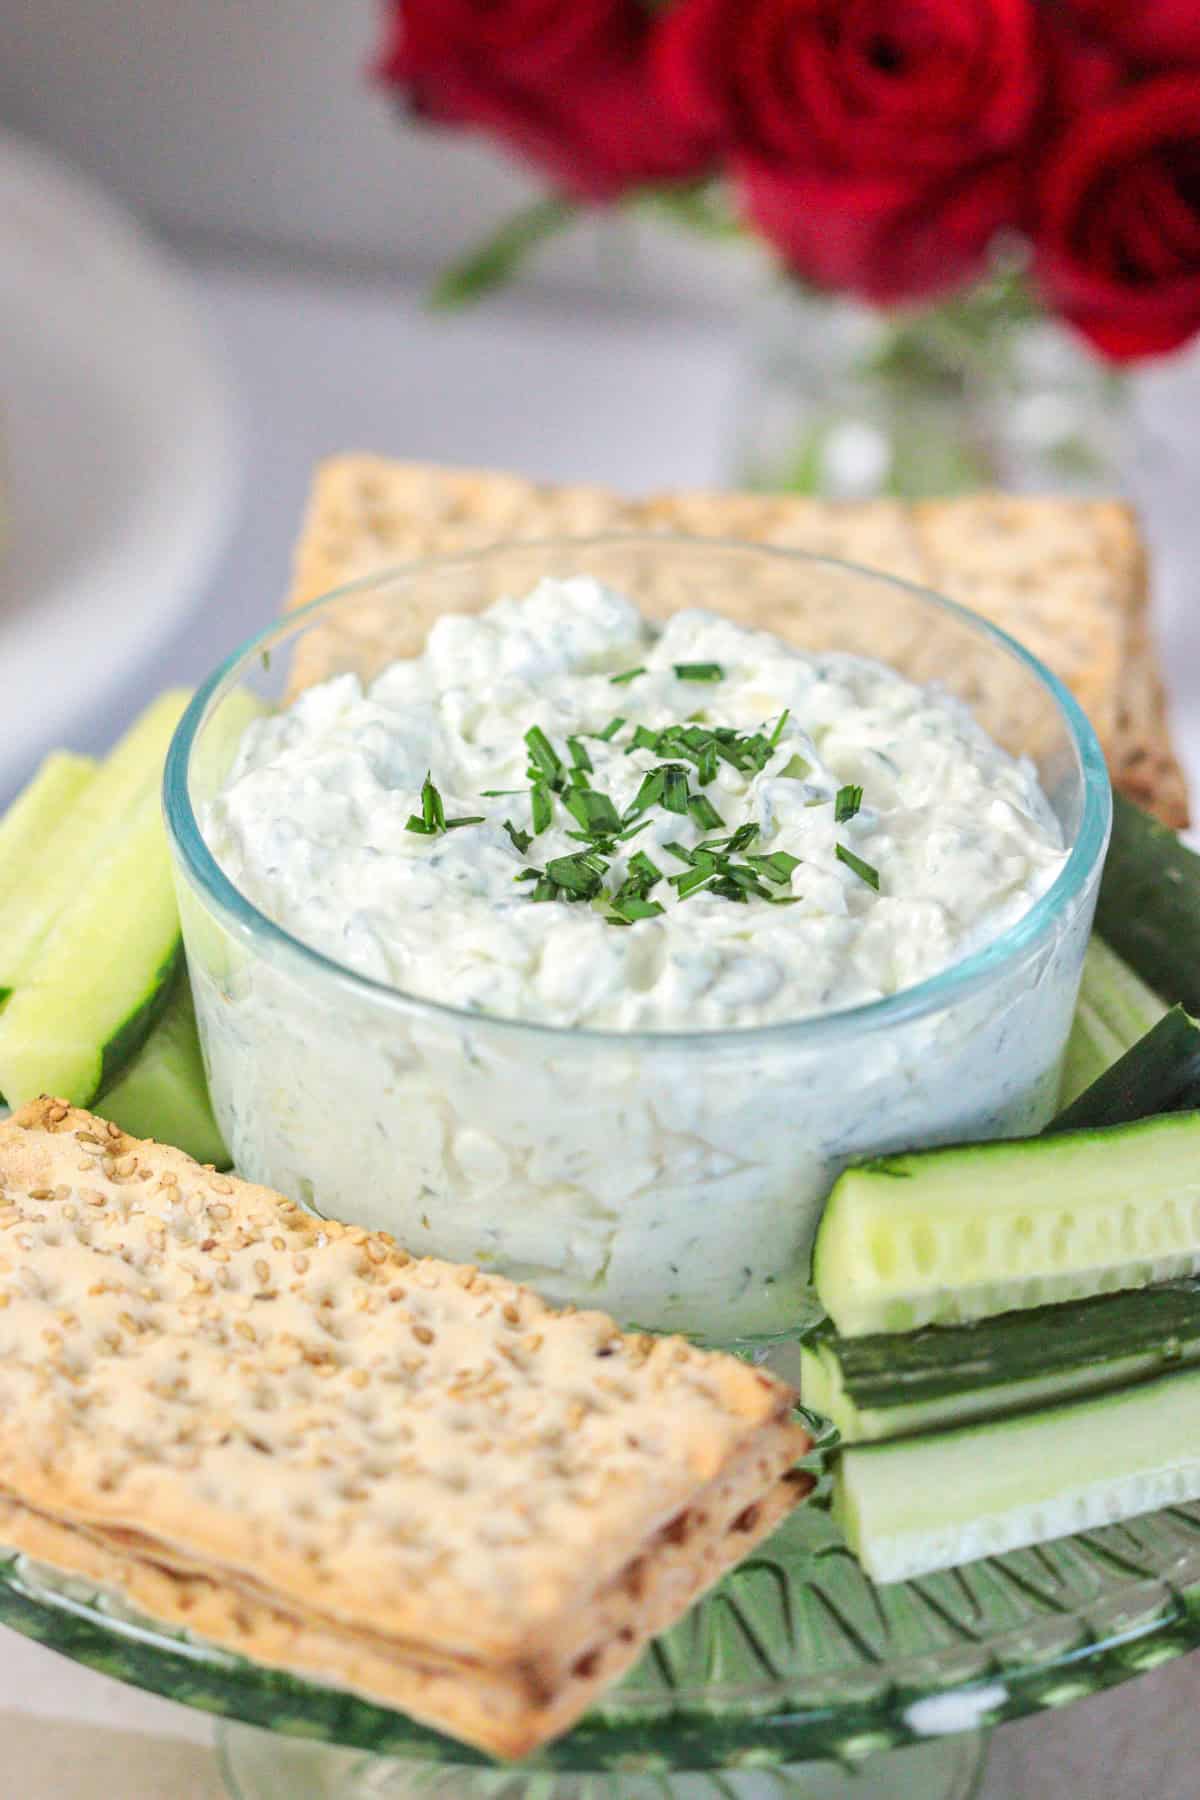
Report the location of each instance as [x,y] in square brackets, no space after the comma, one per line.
[933,1502]
[1160,1074]
[162,1092]
[950,1235]
[133,1031]
[1115,1009]
[1149,904]
[891,1386]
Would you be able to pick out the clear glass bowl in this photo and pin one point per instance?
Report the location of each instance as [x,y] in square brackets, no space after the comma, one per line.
[672,1178]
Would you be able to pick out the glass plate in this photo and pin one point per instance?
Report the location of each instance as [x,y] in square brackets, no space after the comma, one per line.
[795,1656]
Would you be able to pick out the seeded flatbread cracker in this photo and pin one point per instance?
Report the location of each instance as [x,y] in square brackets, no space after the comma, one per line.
[397,1474]
[1066,577]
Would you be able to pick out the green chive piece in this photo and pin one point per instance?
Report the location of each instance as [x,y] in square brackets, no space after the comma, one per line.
[861,868]
[710,671]
[795,769]
[706,764]
[541,807]
[580,875]
[623,837]
[647,795]
[579,754]
[678,850]
[643,739]
[545,762]
[675,788]
[415,823]
[529,875]
[610,730]
[705,813]
[627,675]
[778,866]
[432,810]
[691,881]
[848,802]
[594,811]
[464,819]
[499,793]
[521,840]
[782,720]
[644,870]
[633,906]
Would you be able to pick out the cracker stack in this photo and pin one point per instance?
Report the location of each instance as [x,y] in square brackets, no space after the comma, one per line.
[1066,577]
[402,1477]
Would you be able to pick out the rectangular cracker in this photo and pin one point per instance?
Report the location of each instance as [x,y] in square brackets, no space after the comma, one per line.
[399,1475]
[1066,577]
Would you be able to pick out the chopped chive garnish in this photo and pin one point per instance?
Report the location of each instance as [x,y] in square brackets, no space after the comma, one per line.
[705,813]
[782,720]
[581,876]
[529,875]
[433,813]
[783,899]
[685,856]
[848,801]
[643,870]
[778,866]
[675,788]
[643,739]
[579,754]
[861,868]
[521,840]
[623,837]
[464,819]
[710,671]
[633,906]
[706,764]
[579,778]
[499,793]
[595,812]
[691,880]
[648,795]
[794,769]
[541,807]
[610,730]
[627,675]
[545,762]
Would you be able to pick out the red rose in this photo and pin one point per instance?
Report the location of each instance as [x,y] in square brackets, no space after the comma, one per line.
[1163,32]
[565,85]
[1118,232]
[877,142]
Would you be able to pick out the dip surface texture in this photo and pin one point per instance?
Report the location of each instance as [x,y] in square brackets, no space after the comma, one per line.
[313,824]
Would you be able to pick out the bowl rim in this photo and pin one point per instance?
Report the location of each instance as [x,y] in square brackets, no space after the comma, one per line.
[957,981]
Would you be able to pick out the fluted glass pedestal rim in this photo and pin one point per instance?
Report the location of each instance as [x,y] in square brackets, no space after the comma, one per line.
[795,1658]
[259,1765]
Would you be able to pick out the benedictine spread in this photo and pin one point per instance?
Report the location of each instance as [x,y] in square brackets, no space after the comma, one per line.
[561,814]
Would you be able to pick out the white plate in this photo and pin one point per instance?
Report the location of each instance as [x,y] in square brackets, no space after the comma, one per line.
[117,443]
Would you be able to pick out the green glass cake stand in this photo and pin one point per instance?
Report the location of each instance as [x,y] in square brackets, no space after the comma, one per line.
[795,1677]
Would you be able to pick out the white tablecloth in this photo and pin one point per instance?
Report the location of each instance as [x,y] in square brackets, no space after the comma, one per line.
[633,400]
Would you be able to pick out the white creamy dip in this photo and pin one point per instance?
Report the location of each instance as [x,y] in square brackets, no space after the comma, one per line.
[673,1180]
[313,823]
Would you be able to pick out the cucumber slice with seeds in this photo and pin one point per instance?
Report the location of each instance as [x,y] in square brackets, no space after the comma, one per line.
[946,1236]
[928,1503]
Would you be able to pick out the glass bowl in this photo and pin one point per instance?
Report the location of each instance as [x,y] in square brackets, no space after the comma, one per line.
[672,1178]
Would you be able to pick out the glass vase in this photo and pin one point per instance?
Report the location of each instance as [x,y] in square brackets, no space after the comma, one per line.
[982,390]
